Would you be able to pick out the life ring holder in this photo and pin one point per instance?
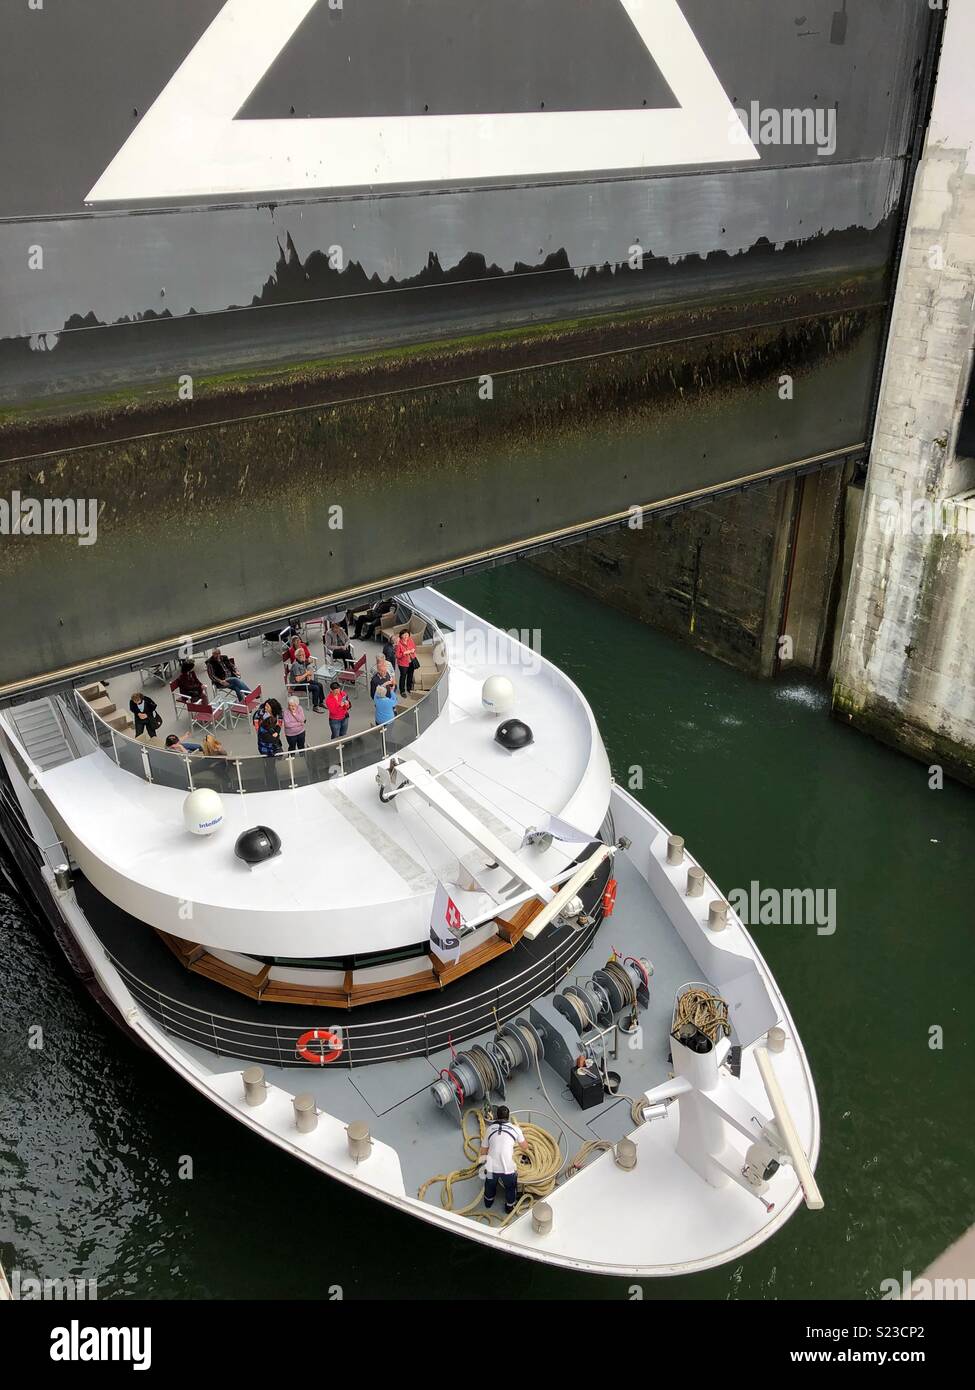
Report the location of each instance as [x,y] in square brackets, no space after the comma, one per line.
[319,1035]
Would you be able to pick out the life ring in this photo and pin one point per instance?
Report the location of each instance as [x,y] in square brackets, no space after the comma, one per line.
[609,897]
[319,1058]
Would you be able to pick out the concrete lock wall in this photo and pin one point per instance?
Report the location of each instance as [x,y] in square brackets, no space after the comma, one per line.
[505,299]
[906,665]
[754,579]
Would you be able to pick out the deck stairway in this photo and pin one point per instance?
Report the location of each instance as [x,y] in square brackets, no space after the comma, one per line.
[41,734]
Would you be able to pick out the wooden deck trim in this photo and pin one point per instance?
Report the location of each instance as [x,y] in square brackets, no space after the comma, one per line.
[513,928]
[261,987]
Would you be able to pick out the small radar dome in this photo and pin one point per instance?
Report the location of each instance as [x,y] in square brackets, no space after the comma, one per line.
[257,845]
[203,812]
[497,695]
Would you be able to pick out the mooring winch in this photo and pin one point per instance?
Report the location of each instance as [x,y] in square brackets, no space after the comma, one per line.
[474,1074]
[621,984]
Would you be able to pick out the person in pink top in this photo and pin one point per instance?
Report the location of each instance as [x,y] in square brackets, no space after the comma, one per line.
[337,703]
[294,724]
[405,657]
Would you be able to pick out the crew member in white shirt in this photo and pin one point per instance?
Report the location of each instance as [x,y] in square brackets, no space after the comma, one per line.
[502,1139]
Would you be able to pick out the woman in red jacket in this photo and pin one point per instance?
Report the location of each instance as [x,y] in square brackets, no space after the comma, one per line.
[405,657]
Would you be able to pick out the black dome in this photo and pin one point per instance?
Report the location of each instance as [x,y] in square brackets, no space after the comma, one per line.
[258,844]
[514,734]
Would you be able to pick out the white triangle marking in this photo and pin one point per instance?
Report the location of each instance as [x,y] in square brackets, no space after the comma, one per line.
[188,144]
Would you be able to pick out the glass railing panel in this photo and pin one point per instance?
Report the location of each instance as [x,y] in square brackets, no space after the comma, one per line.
[168,769]
[259,774]
[79,707]
[299,769]
[324,763]
[103,735]
[216,774]
[365,750]
[401,731]
[130,756]
[426,711]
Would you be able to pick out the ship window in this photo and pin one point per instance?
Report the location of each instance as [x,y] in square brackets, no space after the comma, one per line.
[356,962]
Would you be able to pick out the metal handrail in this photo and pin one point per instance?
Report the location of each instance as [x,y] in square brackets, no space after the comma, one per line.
[368,1042]
[106,737]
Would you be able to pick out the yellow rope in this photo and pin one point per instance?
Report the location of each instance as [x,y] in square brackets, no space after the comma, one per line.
[537,1170]
[706,1011]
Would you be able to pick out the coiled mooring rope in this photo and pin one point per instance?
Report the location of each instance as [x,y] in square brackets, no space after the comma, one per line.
[706,1011]
[537,1171]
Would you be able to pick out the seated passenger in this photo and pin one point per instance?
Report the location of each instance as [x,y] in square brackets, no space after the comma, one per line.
[302,674]
[189,684]
[222,670]
[367,622]
[175,744]
[386,700]
[299,648]
[337,644]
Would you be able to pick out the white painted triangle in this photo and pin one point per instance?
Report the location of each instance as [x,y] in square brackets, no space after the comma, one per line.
[188,144]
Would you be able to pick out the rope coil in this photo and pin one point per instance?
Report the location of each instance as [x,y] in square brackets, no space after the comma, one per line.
[703,1010]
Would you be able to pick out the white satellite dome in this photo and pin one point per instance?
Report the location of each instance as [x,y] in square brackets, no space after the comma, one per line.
[203,812]
[497,695]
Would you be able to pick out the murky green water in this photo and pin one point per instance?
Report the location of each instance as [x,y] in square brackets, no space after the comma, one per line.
[763,785]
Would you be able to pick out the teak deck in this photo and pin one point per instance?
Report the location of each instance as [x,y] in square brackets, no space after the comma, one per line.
[259,986]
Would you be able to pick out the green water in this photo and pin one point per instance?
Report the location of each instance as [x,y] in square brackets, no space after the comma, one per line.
[762,785]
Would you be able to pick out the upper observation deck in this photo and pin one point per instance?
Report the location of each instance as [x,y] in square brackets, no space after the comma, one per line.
[353,874]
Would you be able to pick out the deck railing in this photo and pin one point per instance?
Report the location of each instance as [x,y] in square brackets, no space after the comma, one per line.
[301,768]
[363,1044]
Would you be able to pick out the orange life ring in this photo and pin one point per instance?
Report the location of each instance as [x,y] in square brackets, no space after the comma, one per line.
[319,1058]
[609,897]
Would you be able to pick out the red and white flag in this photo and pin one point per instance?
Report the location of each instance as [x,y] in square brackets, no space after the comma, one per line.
[446,924]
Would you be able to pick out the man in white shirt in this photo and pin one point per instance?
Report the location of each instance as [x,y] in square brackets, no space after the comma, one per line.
[501,1140]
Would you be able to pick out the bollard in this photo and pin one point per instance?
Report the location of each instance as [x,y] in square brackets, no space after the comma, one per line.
[541,1218]
[695,881]
[675,849]
[63,878]
[775,1040]
[718,915]
[360,1143]
[625,1154]
[255,1087]
[306,1113]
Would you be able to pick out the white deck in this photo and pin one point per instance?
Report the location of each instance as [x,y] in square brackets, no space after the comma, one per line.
[660,1219]
[344,853]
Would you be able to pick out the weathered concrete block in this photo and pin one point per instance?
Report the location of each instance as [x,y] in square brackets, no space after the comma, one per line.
[931,208]
[960,249]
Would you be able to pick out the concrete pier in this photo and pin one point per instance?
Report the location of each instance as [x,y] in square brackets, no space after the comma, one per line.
[904,670]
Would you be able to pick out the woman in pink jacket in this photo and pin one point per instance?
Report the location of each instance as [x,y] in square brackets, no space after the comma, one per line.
[405,656]
[294,724]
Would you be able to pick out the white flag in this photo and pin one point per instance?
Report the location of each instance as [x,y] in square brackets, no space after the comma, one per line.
[562,830]
[445,927]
